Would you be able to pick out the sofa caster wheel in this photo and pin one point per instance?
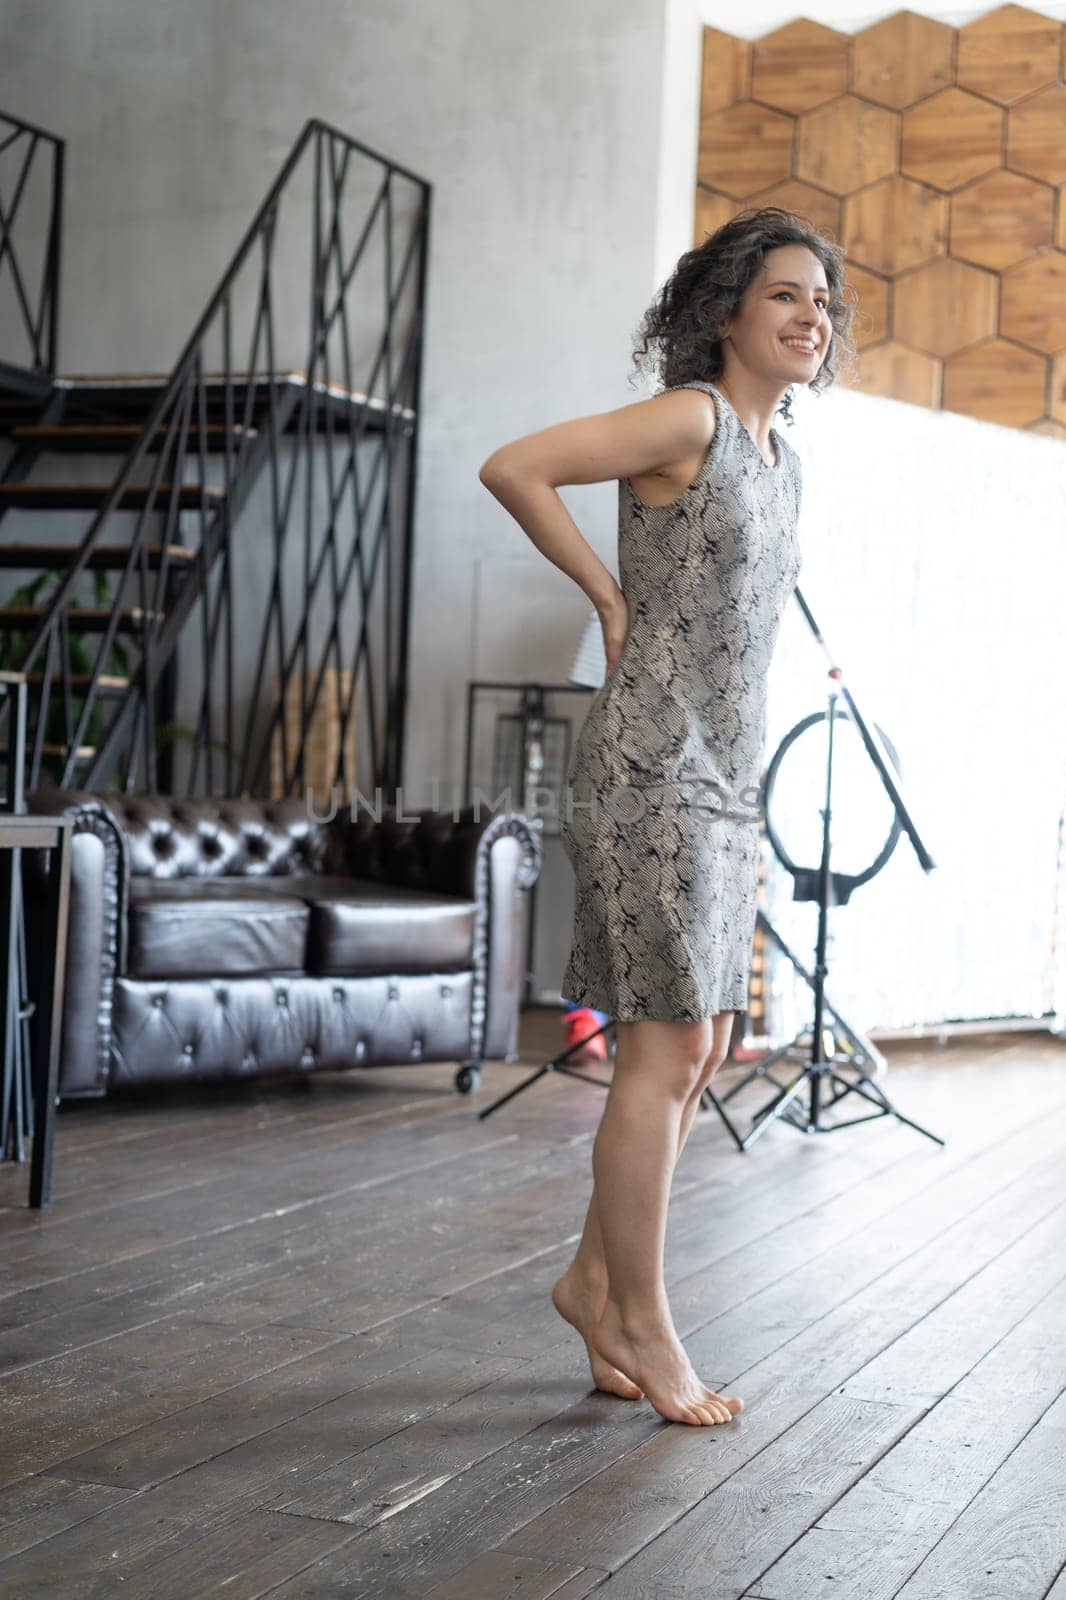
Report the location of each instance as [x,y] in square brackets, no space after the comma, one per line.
[468,1078]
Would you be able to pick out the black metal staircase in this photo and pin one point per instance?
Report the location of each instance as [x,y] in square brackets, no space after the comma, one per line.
[244,525]
[31,210]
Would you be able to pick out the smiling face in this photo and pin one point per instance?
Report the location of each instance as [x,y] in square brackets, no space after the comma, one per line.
[781,328]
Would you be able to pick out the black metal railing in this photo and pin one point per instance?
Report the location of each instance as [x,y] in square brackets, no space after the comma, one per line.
[259,533]
[31,210]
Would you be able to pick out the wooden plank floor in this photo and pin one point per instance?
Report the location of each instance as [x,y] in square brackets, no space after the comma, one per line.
[295,1339]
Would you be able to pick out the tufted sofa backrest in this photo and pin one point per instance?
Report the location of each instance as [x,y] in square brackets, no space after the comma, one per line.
[172,838]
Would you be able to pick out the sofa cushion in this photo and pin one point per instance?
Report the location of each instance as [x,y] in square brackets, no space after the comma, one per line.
[170,1028]
[358,926]
[215,927]
[173,838]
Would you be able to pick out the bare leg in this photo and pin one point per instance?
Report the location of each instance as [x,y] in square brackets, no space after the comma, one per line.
[589,1262]
[581,1293]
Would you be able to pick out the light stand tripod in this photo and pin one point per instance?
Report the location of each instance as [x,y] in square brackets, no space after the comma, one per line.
[826,1071]
[556,1064]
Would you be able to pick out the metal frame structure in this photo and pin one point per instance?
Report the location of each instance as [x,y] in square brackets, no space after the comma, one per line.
[39,311]
[333,562]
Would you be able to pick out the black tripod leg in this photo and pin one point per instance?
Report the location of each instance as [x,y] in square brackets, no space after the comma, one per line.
[877,1096]
[776,1108]
[760,1069]
[556,1064]
[723,1113]
[502,1101]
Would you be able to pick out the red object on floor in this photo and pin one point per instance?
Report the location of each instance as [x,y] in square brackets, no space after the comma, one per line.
[581,1024]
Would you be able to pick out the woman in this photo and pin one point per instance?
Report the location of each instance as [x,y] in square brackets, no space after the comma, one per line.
[661,815]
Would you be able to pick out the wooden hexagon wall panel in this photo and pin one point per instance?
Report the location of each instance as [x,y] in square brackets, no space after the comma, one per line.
[937,157]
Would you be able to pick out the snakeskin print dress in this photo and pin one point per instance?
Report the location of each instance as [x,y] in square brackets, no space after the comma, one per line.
[660,817]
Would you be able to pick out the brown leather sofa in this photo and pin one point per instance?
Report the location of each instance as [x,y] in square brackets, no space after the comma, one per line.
[213,938]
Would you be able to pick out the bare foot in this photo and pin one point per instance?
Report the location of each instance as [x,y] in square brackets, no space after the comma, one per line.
[656,1360]
[580,1303]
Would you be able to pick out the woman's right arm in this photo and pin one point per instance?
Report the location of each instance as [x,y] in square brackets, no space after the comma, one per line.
[645,437]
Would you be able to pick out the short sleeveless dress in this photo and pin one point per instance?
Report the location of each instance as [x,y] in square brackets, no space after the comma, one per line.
[661,811]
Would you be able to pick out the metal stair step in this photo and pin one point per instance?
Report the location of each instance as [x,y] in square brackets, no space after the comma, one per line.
[58,752]
[90,619]
[84,752]
[150,384]
[117,437]
[110,398]
[106,683]
[105,558]
[91,496]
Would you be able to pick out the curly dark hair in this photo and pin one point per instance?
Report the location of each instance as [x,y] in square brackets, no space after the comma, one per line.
[706,287]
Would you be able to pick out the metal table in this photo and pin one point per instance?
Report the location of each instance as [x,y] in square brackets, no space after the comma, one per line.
[43,1010]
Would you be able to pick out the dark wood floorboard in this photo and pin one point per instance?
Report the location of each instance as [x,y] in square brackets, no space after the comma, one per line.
[295,1339]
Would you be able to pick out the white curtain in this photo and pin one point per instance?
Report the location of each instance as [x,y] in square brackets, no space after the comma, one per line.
[935,564]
